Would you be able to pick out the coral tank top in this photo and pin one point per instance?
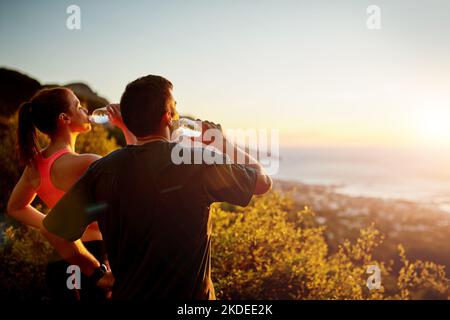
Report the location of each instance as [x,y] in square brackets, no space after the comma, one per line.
[47,190]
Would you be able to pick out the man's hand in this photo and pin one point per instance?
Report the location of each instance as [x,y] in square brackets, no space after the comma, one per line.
[215,137]
[107,281]
[263,181]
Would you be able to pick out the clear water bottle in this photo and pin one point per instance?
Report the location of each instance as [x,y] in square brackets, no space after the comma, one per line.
[188,128]
[99,116]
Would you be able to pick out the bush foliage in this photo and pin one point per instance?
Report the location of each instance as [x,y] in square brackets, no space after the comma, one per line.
[269,251]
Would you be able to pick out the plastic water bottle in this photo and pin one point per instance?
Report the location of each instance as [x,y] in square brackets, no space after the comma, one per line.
[188,128]
[99,116]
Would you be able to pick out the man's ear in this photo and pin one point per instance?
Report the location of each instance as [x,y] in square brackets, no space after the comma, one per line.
[167,118]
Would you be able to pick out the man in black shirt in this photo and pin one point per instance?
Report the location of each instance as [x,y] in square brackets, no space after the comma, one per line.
[153,212]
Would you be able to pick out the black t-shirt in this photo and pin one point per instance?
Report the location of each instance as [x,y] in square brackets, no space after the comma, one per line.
[154,217]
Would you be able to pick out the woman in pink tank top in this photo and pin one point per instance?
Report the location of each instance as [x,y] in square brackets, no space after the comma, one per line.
[49,173]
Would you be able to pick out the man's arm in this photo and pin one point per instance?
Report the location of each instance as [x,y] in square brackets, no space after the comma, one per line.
[263,181]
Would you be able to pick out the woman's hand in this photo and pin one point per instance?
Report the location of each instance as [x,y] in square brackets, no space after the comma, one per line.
[115,116]
[116,119]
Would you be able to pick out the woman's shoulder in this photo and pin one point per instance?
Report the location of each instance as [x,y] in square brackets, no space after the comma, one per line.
[74,164]
[85,157]
[81,160]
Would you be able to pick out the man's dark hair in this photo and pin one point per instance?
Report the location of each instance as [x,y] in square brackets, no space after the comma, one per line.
[143,103]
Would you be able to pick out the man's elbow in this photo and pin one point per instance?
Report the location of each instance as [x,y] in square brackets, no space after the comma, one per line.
[263,185]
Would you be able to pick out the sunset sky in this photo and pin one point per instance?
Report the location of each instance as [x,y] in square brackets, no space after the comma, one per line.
[311,69]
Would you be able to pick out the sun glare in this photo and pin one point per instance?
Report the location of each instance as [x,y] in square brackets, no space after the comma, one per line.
[433,125]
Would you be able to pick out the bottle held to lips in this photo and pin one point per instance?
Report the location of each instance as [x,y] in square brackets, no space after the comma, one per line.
[99,116]
[188,128]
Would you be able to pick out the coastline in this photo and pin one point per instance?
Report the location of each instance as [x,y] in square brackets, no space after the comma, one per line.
[424,230]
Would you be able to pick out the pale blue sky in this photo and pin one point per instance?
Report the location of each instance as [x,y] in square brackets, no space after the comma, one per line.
[309,68]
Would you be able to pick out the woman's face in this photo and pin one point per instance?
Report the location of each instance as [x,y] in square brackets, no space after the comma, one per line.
[79,120]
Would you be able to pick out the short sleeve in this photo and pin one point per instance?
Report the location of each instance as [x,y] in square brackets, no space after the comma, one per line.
[233,183]
[74,211]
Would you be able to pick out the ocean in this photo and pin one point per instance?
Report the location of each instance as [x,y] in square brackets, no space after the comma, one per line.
[416,175]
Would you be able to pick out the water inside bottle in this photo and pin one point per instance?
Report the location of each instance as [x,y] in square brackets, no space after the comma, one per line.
[99,116]
[189,128]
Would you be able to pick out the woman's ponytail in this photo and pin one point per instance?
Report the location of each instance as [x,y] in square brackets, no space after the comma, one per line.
[26,134]
[40,113]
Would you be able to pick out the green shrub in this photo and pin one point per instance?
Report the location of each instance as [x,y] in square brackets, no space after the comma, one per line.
[265,251]
[23,257]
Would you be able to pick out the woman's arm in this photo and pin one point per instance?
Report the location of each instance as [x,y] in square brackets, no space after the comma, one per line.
[76,253]
[130,138]
[19,204]
[116,119]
